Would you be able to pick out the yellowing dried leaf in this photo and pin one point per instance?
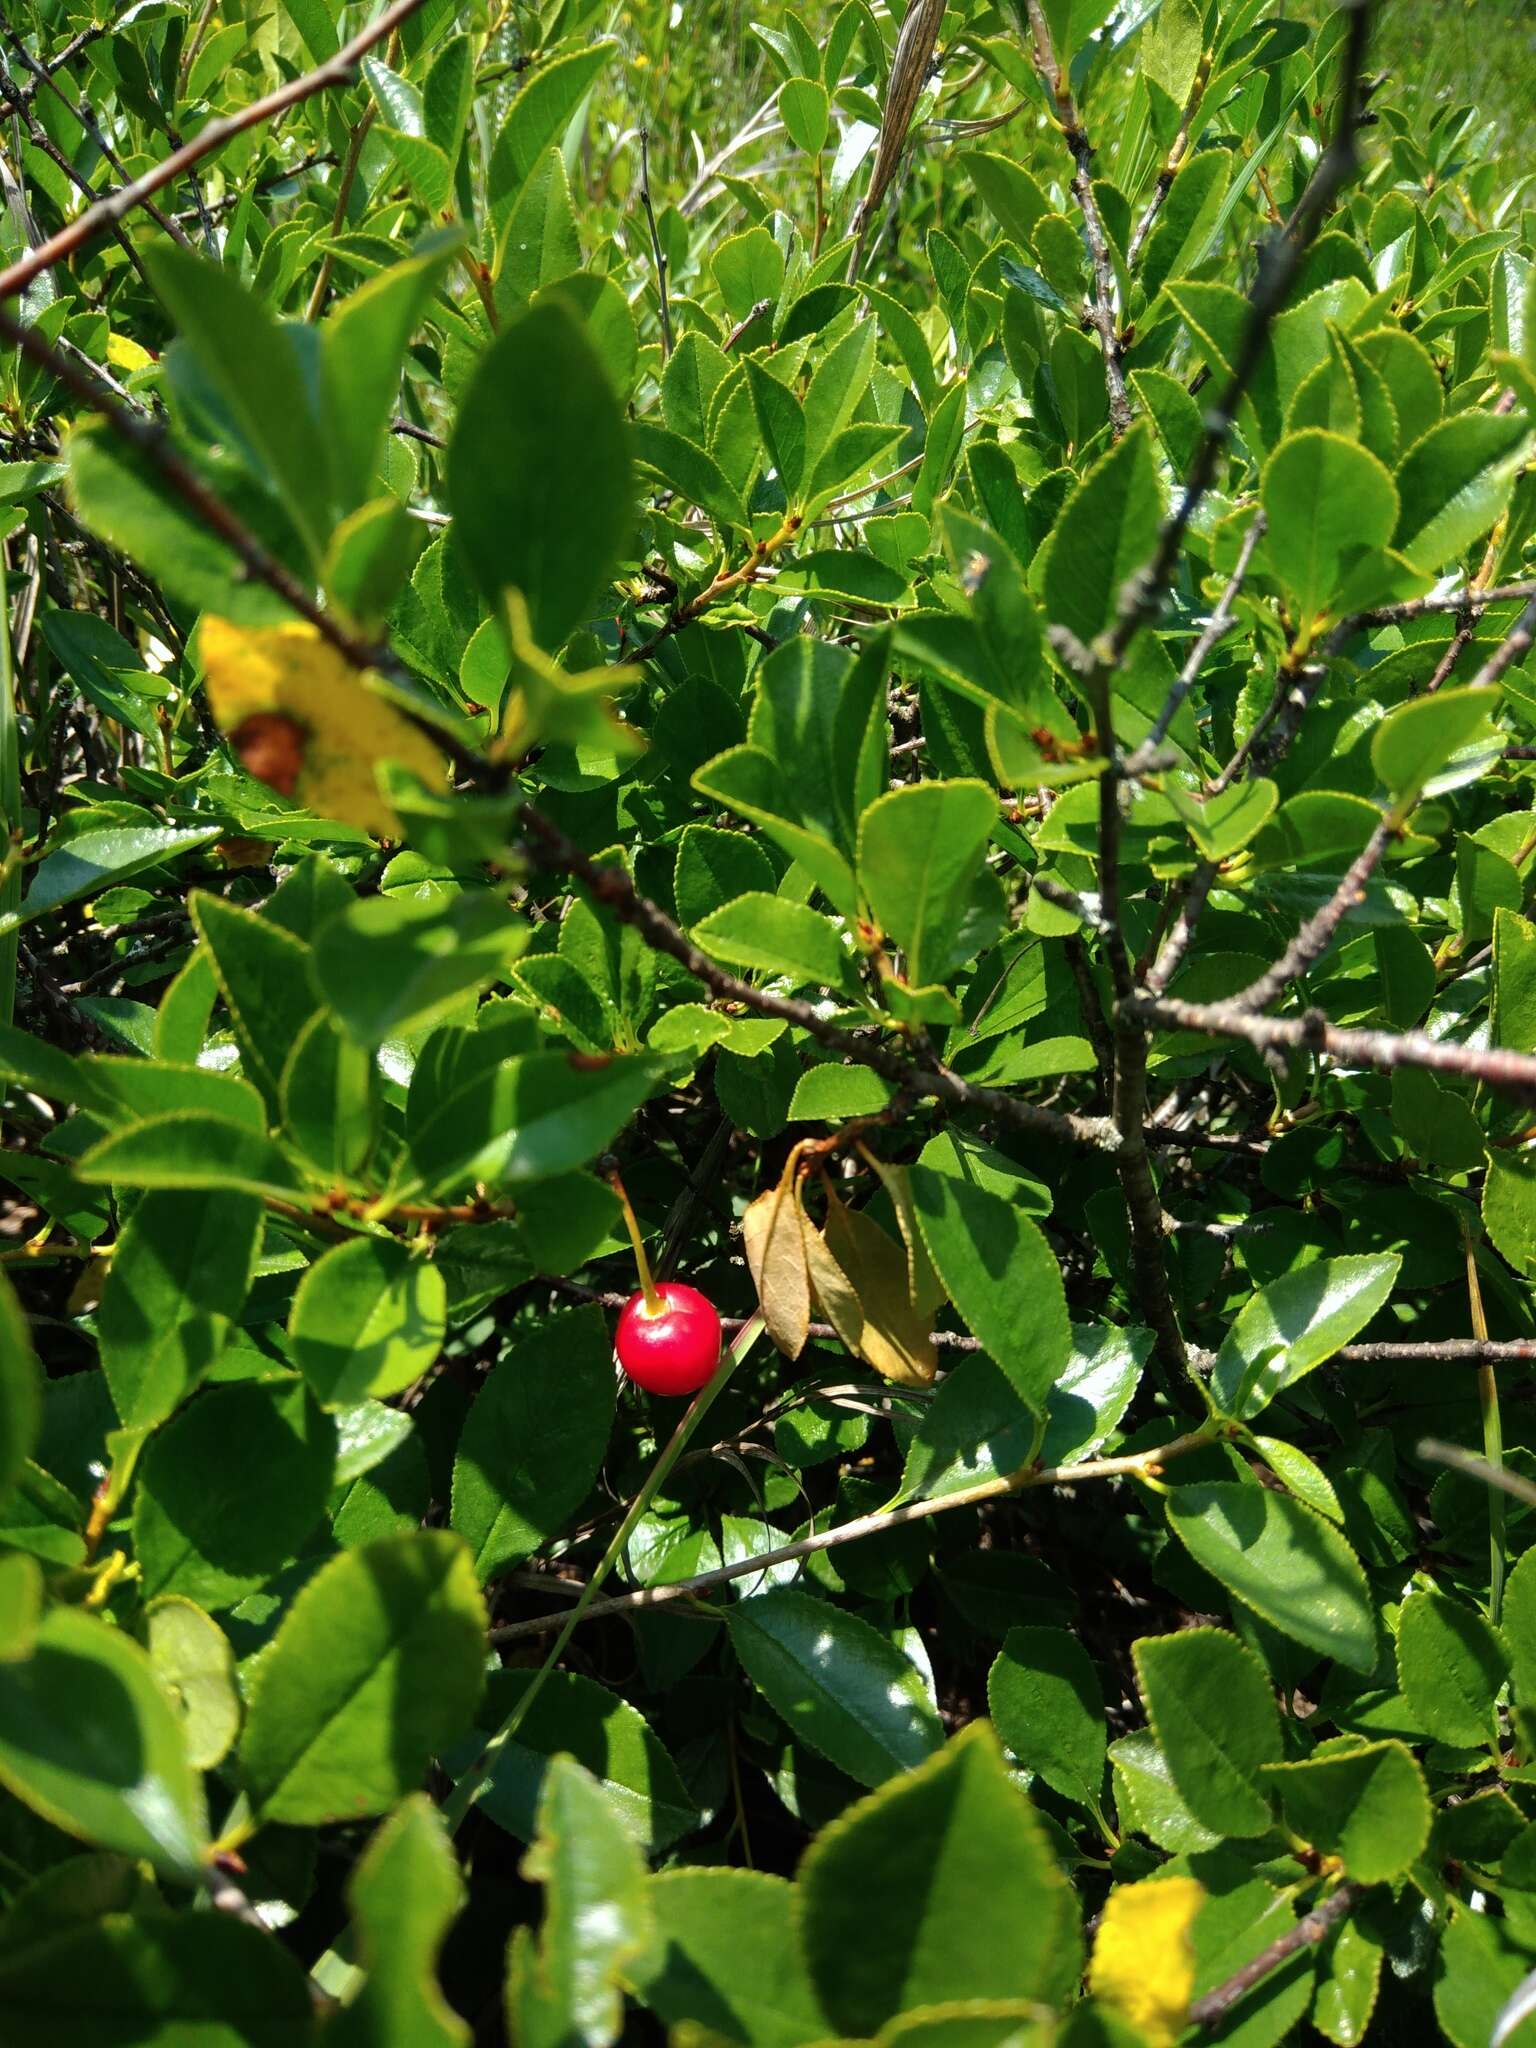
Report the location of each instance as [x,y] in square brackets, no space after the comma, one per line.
[832,1290]
[771,1231]
[896,1337]
[1143,1957]
[124,354]
[304,721]
[927,1289]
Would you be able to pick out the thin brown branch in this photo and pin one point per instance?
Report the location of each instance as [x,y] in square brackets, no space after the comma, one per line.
[337,70]
[1318,933]
[1140,1465]
[1279,262]
[1217,626]
[1447,1351]
[724,585]
[1511,1073]
[1171,956]
[412,432]
[1308,1931]
[1514,648]
[354,156]
[1171,162]
[753,315]
[1101,309]
[658,254]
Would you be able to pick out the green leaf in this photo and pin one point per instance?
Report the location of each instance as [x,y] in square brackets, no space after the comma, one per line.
[1325,498]
[1295,1324]
[1147,1800]
[830,1094]
[920,852]
[1454,483]
[89,1741]
[724,1954]
[689,470]
[180,1275]
[263,976]
[163,1977]
[254,365]
[1433,744]
[1367,1806]
[1010,191]
[781,424]
[531,1118]
[1048,1707]
[1286,1563]
[534,1440]
[837,1683]
[714,868]
[1477,1969]
[540,243]
[405,1892]
[577,1717]
[1451,1664]
[747,780]
[1223,825]
[596,1913]
[1518,1626]
[1509,1208]
[191,1151]
[392,964]
[363,344]
[368,1319]
[940,1886]
[804,110]
[329,1098]
[1105,532]
[540,113]
[195,1665]
[1189,219]
[748,268]
[375,1669]
[214,1540]
[774,936]
[127,501]
[21,1399]
[527,517]
[1001,1275]
[94,851]
[1210,1707]
[1514,979]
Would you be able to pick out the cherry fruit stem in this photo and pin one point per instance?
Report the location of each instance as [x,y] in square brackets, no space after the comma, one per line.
[653,1301]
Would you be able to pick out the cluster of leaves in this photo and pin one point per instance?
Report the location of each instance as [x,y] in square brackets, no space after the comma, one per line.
[818,626]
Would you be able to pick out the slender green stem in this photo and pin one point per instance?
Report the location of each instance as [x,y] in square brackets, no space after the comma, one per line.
[10,800]
[478,1776]
[653,1301]
[1493,1441]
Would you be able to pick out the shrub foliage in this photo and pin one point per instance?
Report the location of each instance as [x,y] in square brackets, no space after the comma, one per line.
[893,638]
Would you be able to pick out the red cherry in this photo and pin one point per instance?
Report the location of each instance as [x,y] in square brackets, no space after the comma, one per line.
[671,1349]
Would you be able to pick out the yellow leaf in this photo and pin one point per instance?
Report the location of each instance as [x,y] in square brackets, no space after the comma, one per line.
[303,720]
[896,1336]
[124,354]
[771,1231]
[927,1289]
[1143,1958]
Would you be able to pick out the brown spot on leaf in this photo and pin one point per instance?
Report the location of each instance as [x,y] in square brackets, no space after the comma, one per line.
[271,746]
